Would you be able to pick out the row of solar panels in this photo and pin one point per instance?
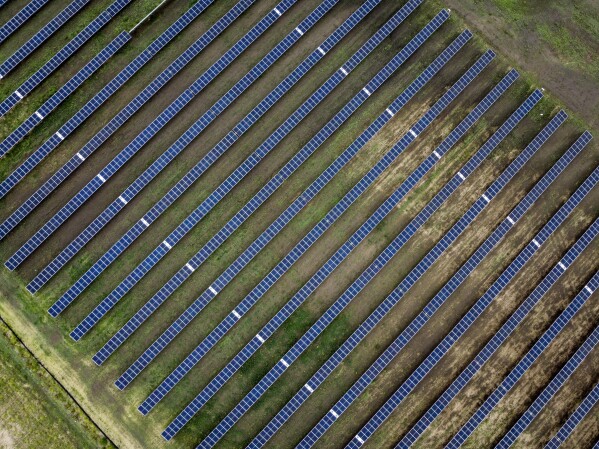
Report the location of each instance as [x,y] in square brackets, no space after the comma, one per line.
[117,121]
[15,22]
[387,254]
[60,57]
[262,386]
[485,199]
[336,259]
[556,383]
[151,172]
[141,139]
[426,366]
[514,216]
[248,302]
[524,364]
[464,324]
[284,173]
[590,400]
[41,36]
[269,144]
[310,336]
[318,230]
[283,219]
[397,295]
[65,91]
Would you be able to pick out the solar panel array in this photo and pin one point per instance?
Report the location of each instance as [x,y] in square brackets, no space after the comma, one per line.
[117,121]
[362,281]
[63,93]
[15,22]
[324,178]
[292,165]
[213,338]
[141,139]
[317,329]
[556,383]
[168,156]
[522,311]
[548,336]
[358,284]
[213,199]
[62,55]
[228,275]
[416,325]
[224,144]
[40,37]
[464,324]
[194,263]
[274,323]
[244,213]
[589,401]
[347,200]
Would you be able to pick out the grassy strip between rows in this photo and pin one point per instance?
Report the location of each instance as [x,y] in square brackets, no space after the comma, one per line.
[128,18]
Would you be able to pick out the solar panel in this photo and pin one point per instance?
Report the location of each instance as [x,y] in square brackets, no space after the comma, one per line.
[207,161]
[370,273]
[270,328]
[116,122]
[459,329]
[20,18]
[324,178]
[141,139]
[341,206]
[62,55]
[589,401]
[515,319]
[548,336]
[419,322]
[228,184]
[316,329]
[63,93]
[556,383]
[41,36]
[225,143]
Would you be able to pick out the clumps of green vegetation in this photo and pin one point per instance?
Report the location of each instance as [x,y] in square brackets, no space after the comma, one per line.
[572,50]
[515,10]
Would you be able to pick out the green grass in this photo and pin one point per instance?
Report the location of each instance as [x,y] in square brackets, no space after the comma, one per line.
[515,10]
[573,51]
[36,410]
